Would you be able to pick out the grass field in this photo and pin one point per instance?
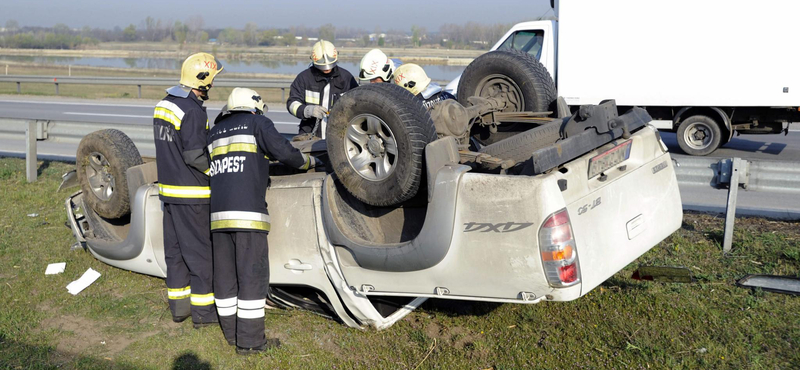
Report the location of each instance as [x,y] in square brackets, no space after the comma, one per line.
[122,321]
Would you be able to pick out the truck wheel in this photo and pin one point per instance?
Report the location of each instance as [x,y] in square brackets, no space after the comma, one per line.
[103,158]
[376,139]
[520,147]
[518,76]
[699,135]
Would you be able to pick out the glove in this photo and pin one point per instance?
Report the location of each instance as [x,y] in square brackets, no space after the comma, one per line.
[316,111]
[315,162]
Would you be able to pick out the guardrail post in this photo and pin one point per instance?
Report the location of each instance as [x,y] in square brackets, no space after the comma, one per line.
[30,151]
[283,94]
[140,91]
[56,88]
[738,166]
[18,88]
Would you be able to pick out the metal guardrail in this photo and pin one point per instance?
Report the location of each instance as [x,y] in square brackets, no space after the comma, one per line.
[282,84]
[763,176]
[277,83]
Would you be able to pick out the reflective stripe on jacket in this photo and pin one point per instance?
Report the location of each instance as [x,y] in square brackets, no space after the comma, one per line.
[240,146]
[309,87]
[180,129]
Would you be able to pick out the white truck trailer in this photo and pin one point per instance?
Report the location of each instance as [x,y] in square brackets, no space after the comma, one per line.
[703,69]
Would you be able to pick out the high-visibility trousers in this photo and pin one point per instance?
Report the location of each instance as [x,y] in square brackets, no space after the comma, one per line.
[187,252]
[241,280]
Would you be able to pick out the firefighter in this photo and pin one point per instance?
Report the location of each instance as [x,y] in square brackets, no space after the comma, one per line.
[240,147]
[414,79]
[180,125]
[376,67]
[314,90]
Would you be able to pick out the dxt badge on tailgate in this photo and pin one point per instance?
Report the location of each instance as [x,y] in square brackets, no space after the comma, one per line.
[505,227]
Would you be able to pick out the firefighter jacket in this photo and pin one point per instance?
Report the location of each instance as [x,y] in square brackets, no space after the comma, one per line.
[240,147]
[180,127]
[434,94]
[314,87]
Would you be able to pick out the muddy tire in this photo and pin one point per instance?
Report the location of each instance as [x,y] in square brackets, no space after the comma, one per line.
[376,139]
[526,83]
[520,147]
[103,158]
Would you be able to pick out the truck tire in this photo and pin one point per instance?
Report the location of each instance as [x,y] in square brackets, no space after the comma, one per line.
[102,159]
[376,139]
[699,135]
[526,82]
[520,147]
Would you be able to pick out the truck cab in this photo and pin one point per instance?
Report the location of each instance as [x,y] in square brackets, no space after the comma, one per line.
[703,71]
[536,38]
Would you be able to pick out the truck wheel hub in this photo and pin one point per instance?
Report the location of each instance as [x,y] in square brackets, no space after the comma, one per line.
[375,146]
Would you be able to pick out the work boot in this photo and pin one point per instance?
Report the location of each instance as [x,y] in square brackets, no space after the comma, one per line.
[180,318]
[200,325]
[271,343]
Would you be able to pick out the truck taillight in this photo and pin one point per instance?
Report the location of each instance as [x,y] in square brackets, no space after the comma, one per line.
[559,256]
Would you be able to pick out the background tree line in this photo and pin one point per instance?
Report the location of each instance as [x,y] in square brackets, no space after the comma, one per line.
[193,30]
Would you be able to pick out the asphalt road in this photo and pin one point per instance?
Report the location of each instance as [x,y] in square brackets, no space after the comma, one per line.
[763,147]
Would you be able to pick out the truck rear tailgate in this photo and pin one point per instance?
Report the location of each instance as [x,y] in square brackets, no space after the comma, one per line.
[620,213]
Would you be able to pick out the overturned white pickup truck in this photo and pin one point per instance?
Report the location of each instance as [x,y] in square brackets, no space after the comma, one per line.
[545,213]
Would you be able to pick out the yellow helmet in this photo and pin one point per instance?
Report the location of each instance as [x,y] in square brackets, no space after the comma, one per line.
[412,77]
[245,100]
[324,55]
[198,71]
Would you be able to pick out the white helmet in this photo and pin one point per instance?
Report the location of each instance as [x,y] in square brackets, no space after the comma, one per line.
[411,77]
[375,64]
[324,55]
[246,100]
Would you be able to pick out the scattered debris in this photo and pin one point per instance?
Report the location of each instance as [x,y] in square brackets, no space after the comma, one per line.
[87,279]
[702,350]
[76,246]
[667,274]
[55,268]
[33,215]
[772,283]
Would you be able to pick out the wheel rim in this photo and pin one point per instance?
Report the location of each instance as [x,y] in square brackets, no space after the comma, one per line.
[371,147]
[101,181]
[698,135]
[498,85]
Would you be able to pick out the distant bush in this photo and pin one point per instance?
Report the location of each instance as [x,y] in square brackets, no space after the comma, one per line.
[45,40]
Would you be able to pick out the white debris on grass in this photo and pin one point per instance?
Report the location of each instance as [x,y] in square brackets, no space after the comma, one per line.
[33,215]
[55,268]
[87,279]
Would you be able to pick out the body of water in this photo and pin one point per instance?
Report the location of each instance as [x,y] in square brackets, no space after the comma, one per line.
[434,71]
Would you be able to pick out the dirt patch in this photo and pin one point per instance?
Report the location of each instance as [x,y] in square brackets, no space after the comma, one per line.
[455,337]
[77,334]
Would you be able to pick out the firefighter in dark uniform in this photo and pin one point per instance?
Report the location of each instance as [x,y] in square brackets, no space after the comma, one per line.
[414,79]
[180,125]
[240,146]
[314,90]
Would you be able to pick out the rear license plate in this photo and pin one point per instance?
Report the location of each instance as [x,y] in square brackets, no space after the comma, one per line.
[610,158]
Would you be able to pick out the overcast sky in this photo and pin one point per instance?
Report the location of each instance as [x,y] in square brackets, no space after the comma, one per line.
[398,15]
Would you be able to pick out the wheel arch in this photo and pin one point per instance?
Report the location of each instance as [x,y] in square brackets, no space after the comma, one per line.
[717,114]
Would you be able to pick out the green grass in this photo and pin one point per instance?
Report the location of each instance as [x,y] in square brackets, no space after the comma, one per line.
[122,321]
